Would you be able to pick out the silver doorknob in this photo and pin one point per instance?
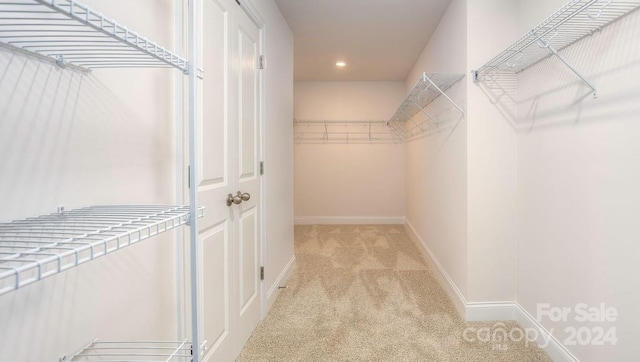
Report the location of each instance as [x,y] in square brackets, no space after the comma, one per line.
[237,199]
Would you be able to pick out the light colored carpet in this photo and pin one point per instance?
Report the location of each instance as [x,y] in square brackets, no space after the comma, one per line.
[365,293]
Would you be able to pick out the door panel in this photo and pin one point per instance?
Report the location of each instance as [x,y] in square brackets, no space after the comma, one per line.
[229,145]
[249,291]
[215,251]
[215,94]
[248,239]
[216,229]
[214,123]
[248,80]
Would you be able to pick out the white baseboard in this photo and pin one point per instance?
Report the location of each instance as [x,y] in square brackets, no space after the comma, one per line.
[550,344]
[445,281]
[490,311]
[503,311]
[273,292]
[348,220]
[493,311]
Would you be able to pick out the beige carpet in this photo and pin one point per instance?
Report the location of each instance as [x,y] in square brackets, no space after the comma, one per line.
[365,293]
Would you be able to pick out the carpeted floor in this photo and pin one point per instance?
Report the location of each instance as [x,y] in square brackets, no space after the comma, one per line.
[365,293]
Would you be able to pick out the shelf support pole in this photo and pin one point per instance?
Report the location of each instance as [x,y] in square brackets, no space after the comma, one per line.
[589,84]
[444,94]
[423,111]
[193,173]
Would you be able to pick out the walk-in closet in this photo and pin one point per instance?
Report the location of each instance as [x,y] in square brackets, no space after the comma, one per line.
[319,180]
[507,156]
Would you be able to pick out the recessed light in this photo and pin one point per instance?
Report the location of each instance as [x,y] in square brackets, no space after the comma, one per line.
[341,63]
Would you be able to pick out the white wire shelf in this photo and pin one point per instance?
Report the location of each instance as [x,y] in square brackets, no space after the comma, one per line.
[138,351]
[70,33]
[427,89]
[343,132]
[572,22]
[35,248]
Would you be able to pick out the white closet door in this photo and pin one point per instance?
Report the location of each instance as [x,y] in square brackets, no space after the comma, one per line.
[248,226]
[216,148]
[229,149]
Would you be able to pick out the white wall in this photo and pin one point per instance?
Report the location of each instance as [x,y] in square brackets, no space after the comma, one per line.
[351,182]
[578,180]
[74,140]
[278,148]
[436,165]
[492,161]
[446,49]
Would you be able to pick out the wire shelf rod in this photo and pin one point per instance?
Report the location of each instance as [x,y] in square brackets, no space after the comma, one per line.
[118,65]
[133,351]
[34,248]
[302,122]
[69,32]
[351,141]
[60,45]
[105,58]
[60,222]
[28,22]
[571,23]
[429,87]
[70,22]
[86,50]
[343,132]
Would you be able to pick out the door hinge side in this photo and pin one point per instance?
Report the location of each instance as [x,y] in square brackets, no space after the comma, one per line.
[189,176]
[262,62]
[261,273]
[261,167]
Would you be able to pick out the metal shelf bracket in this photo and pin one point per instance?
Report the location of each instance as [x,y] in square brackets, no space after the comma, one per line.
[545,44]
[569,24]
[430,87]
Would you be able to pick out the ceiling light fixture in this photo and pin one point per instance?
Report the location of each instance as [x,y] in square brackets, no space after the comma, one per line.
[340,63]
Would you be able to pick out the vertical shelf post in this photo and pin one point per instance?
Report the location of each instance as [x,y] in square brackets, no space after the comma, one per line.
[193,173]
